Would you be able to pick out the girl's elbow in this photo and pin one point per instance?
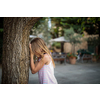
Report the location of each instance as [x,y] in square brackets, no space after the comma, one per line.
[33,72]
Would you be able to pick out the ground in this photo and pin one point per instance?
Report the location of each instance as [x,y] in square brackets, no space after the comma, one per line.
[80,73]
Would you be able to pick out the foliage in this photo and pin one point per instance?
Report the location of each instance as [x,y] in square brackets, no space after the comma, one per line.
[42,30]
[39,22]
[69,34]
[67,22]
[57,32]
[91,25]
[1,29]
[79,24]
[57,45]
[69,26]
[71,55]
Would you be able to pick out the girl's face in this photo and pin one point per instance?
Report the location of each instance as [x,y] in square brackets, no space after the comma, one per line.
[37,54]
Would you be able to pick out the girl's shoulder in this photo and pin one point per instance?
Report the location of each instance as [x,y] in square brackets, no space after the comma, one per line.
[46,58]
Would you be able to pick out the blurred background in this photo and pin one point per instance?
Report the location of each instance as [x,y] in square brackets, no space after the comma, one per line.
[74,43]
[69,34]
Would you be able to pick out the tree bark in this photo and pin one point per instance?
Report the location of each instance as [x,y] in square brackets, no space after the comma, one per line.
[15,61]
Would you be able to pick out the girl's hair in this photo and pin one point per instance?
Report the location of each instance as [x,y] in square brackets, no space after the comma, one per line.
[39,47]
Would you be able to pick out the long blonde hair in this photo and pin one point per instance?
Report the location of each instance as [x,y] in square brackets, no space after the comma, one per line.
[37,45]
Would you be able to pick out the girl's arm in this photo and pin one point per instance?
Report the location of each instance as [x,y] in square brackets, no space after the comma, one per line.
[36,63]
[39,65]
[36,68]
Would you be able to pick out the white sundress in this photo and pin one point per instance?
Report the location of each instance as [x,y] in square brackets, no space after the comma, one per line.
[46,74]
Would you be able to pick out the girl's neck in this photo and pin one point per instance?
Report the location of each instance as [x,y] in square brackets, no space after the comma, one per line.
[43,53]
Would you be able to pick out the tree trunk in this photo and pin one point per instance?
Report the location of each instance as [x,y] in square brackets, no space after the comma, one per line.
[15,61]
[74,48]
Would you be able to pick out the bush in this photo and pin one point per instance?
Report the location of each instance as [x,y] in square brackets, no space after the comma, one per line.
[71,55]
[57,45]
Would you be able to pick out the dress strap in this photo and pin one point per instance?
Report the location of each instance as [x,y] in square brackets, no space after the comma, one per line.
[50,57]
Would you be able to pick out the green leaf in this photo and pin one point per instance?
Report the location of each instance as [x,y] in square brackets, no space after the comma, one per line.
[1,29]
[82,35]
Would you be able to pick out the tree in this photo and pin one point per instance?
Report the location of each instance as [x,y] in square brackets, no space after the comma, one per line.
[56,31]
[68,22]
[92,26]
[79,24]
[63,23]
[72,37]
[15,60]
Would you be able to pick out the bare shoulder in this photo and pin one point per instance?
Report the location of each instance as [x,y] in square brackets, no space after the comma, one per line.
[46,58]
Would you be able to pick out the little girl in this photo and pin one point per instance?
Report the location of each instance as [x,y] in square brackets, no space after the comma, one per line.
[44,64]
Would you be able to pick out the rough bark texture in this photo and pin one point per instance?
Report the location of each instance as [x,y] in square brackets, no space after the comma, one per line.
[15,63]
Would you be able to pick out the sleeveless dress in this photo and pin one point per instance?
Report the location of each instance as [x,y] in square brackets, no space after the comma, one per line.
[46,74]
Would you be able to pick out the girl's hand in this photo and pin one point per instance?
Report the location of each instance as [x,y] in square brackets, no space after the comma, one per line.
[31,53]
